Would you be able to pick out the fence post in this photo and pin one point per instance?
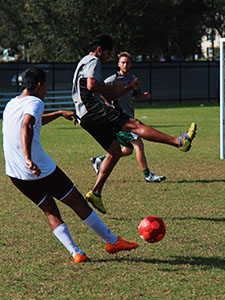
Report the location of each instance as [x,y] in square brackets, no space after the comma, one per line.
[180,84]
[150,81]
[53,76]
[208,81]
[17,74]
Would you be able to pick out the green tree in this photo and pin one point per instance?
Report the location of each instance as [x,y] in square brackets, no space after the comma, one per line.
[11,23]
[60,30]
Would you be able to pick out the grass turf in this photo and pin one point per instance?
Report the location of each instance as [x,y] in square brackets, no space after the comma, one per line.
[187,264]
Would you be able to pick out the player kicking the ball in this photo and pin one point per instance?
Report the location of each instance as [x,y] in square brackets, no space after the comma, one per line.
[128,140]
[34,173]
[104,122]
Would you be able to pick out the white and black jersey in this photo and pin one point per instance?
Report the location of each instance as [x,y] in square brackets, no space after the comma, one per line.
[85,100]
[100,120]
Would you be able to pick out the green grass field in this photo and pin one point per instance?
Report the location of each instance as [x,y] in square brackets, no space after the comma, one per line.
[187,264]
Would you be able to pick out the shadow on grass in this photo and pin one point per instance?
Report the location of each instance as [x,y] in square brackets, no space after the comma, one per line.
[199,218]
[167,181]
[197,181]
[204,262]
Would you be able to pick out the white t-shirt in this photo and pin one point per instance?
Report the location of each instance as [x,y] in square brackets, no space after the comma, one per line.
[11,127]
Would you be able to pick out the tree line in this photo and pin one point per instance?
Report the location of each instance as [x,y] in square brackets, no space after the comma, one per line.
[59,30]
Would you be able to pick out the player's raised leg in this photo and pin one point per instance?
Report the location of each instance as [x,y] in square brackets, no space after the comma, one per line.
[182,142]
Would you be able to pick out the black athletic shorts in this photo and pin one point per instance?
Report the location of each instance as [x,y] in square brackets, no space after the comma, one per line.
[104,124]
[57,185]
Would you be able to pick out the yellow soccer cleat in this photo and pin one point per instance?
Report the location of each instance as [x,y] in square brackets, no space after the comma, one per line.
[95,201]
[188,137]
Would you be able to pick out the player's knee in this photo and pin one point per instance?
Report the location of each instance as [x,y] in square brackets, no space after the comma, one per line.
[127,151]
[132,124]
[114,151]
[115,155]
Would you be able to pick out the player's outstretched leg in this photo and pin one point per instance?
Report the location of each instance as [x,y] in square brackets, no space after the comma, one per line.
[113,244]
[148,133]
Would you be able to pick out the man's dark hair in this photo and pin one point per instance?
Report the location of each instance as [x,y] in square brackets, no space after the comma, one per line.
[31,77]
[102,40]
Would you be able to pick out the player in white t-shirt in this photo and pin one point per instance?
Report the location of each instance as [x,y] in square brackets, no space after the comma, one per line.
[35,174]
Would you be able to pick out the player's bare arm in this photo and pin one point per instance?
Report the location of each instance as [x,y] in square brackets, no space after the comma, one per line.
[142,96]
[26,140]
[111,92]
[69,115]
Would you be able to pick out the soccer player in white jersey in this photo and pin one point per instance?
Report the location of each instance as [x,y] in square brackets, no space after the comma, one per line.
[36,175]
[102,121]
[125,104]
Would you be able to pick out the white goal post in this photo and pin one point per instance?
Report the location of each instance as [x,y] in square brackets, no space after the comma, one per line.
[222,95]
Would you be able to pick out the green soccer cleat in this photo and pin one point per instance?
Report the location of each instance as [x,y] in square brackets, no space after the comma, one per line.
[95,201]
[188,137]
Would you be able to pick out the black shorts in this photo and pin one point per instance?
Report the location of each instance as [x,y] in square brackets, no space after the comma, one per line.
[57,185]
[104,124]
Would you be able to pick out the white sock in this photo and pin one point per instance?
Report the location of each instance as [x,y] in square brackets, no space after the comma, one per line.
[63,235]
[94,222]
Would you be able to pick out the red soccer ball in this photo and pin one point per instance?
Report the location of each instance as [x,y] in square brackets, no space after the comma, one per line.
[152,229]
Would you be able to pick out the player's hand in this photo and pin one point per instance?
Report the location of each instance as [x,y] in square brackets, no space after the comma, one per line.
[33,167]
[70,115]
[136,84]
